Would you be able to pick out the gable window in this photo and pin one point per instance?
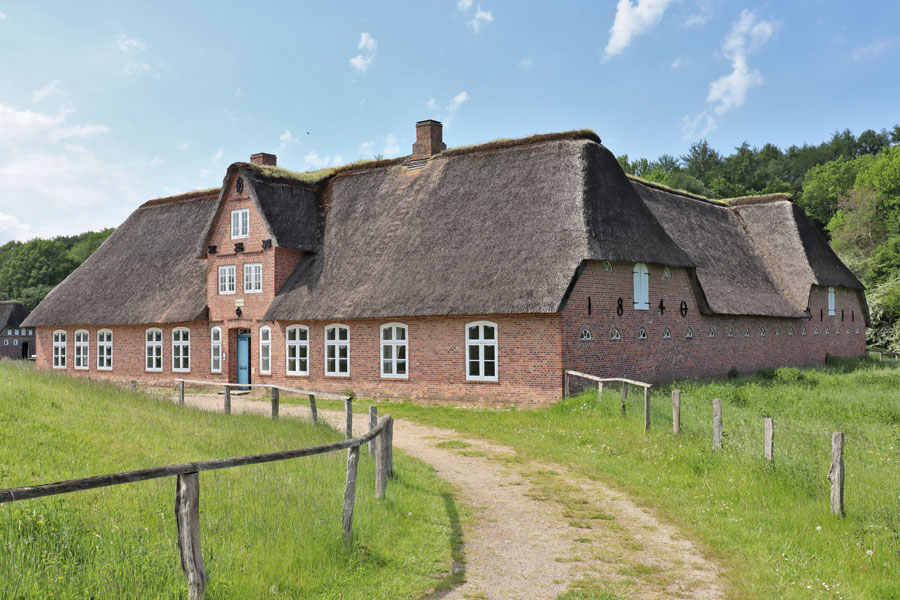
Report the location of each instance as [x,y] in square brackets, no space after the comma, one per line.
[181,350]
[153,350]
[586,335]
[615,335]
[82,349]
[762,332]
[394,347]
[711,332]
[803,331]
[265,350]
[297,351]
[226,279]
[689,334]
[253,278]
[642,334]
[641,287]
[667,333]
[831,301]
[747,332]
[240,223]
[337,350]
[59,349]
[481,351]
[104,350]
[215,350]
[607,266]
[730,332]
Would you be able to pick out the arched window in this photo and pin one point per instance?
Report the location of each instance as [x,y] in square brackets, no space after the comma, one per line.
[297,350]
[59,349]
[778,331]
[747,332]
[831,301]
[730,332]
[481,351]
[586,335]
[153,360]
[615,335]
[337,351]
[394,351]
[265,350]
[215,350]
[181,350]
[104,350]
[803,331]
[791,331]
[816,330]
[642,334]
[641,287]
[82,349]
[689,334]
[607,266]
[666,272]
[667,333]
[711,332]
[762,332]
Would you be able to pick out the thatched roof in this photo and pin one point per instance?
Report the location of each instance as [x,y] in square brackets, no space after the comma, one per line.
[12,314]
[503,227]
[145,272]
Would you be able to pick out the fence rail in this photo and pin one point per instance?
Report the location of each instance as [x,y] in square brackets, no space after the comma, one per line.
[625,383]
[187,495]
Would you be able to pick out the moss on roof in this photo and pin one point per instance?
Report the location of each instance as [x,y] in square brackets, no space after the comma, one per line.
[577,134]
[658,186]
[196,194]
[762,199]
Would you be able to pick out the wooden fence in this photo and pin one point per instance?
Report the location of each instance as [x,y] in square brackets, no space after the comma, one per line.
[625,383]
[187,494]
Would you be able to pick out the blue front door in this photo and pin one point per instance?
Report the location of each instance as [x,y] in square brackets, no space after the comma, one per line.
[243,359]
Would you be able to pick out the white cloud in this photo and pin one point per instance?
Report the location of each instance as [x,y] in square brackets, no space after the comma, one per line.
[185,145]
[315,162]
[2,16]
[11,227]
[369,47]
[464,5]
[287,138]
[391,146]
[525,63]
[632,20]
[431,104]
[218,155]
[729,92]
[875,49]
[27,124]
[53,88]
[132,53]
[129,46]
[156,161]
[77,131]
[481,19]
[678,63]
[701,16]
[366,149]
[458,101]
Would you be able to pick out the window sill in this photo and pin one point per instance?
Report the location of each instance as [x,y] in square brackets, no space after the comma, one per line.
[338,375]
[227,293]
[253,291]
[181,370]
[495,380]
[297,374]
[104,368]
[153,370]
[62,368]
[82,368]
[395,377]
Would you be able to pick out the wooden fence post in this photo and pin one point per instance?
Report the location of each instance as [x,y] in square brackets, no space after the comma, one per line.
[373,423]
[314,414]
[133,385]
[770,439]
[646,409]
[381,475]
[181,393]
[566,384]
[187,518]
[348,409]
[227,400]
[350,493]
[276,400]
[624,396]
[599,391]
[676,411]
[717,424]
[389,445]
[836,474]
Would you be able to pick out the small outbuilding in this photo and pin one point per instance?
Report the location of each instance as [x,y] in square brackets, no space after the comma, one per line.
[16,342]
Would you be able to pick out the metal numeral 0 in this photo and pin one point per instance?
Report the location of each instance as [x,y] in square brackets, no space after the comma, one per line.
[619,309]
[683,308]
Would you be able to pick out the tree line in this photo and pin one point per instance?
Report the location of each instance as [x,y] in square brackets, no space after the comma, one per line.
[848,185]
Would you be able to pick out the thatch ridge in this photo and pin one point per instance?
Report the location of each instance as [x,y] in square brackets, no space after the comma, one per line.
[538,138]
[12,314]
[761,199]
[664,188]
[195,195]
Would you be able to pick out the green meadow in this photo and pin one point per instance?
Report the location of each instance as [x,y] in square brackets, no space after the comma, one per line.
[267,531]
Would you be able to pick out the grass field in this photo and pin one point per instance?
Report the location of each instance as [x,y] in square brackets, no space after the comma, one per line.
[268,531]
[769,526]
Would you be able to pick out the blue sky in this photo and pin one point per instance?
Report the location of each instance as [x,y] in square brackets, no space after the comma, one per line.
[106,104]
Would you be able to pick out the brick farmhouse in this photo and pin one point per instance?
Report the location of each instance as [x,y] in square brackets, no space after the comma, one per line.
[477,273]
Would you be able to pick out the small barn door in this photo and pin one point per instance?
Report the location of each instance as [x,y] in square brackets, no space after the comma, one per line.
[243,359]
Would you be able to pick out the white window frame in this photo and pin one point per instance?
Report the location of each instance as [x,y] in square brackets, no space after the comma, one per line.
[641,286]
[59,349]
[15,342]
[481,343]
[254,278]
[297,344]
[82,350]
[215,349]
[336,344]
[240,223]
[105,350]
[178,360]
[265,350]
[224,283]
[394,345]
[156,345]
[831,309]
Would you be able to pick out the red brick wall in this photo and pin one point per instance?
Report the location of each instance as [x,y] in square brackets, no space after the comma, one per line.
[658,359]
[529,365]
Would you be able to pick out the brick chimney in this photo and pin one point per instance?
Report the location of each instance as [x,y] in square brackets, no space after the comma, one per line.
[429,139]
[264,159]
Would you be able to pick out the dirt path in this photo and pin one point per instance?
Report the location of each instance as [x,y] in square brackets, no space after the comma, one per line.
[539,529]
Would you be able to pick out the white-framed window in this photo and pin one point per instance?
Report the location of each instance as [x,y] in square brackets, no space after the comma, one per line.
[6,342]
[607,266]
[240,223]
[104,350]
[615,335]
[762,332]
[15,342]
[226,279]
[297,350]
[730,332]
[803,331]
[642,334]
[481,351]
[747,332]
[59,349]
[711,332]
[778,331]
[181,350]
[17,332]
[586,335]
[791,331]
[153,345]
[82,349]
[394,351]
[689,334]
[667,333]
[667,272]
[253,278]
[831,301]
[337,350]
[641,287]
[816,330]
[215,350]
[265,350]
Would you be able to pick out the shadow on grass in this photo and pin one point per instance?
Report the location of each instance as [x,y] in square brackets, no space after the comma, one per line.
[457,574]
